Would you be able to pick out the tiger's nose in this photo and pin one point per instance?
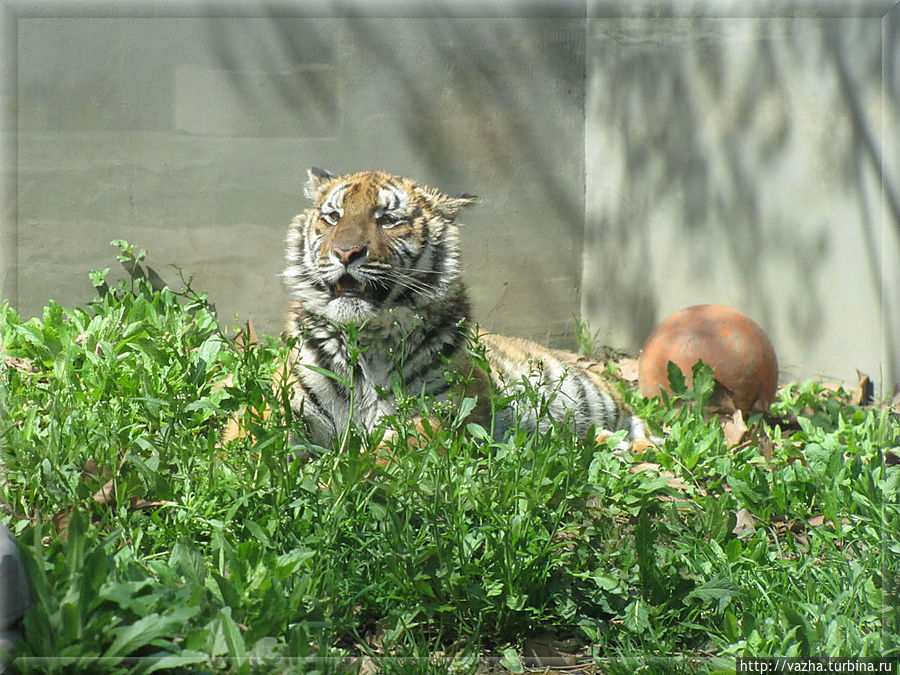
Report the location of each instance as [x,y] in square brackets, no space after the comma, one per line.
[349,255]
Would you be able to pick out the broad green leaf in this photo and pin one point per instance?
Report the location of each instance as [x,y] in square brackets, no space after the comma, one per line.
[676,379]
[466,406]
[143,631]
[98,277]
[76,542]
[232,633]
[258,533]
[166,661]
[510,660]
[477,432]
[719,588]
[637,616]
[187,560]
[703,382]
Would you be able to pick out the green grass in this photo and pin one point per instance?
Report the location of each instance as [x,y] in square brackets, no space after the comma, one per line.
[151,547]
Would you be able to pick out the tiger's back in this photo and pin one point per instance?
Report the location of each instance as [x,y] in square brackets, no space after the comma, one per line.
[379,306]
[568,392]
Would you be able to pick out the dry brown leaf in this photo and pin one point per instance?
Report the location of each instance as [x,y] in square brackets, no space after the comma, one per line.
[744,523]
[782,525]
[865,390]
[738,434]
[548,651]
[90,470]
[734,428]
[61,522]
[678,484]
[650,466]
[674,481]
[721,401]
[819,521]
[106,494]
[796,450]
[641,445]
[601,437]
[138,504]
[766,444]
[18,363]
[375,639]
[628,369]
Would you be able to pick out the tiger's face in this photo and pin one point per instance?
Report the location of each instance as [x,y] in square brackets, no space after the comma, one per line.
[372,241]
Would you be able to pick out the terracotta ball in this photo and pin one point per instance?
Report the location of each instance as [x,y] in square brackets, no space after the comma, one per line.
[728,341]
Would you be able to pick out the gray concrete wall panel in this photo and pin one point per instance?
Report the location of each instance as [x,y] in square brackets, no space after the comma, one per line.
[627,166]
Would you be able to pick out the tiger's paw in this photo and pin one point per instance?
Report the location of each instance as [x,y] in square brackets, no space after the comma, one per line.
[635,442]
[386,449]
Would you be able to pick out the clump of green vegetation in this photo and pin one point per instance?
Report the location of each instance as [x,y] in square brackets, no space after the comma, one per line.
[152,545]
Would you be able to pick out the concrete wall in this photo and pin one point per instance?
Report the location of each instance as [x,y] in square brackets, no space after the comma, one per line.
[191,137]
[627,166]
[738,161]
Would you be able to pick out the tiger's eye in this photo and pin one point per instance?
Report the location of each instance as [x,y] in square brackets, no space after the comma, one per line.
[389,220]
[331,217]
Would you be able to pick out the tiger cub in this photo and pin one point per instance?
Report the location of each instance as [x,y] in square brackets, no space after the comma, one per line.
[373,269]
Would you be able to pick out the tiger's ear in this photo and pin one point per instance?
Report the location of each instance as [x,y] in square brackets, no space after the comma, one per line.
[449,206]
[317,178]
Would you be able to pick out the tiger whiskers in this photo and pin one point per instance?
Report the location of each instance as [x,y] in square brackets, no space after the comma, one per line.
[406,281]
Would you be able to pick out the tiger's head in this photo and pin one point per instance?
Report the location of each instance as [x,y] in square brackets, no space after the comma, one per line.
[372,241]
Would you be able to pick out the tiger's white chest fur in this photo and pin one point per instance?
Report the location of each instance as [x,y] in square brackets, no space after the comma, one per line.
[395,349]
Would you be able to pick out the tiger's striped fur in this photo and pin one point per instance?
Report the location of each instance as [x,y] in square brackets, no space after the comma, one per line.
[373,268]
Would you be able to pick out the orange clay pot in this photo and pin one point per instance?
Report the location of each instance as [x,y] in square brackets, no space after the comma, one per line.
[728,341]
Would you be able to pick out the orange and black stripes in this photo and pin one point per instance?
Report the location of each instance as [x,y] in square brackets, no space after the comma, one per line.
[373,268]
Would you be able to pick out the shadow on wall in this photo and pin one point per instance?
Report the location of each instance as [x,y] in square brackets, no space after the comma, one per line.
[212,165]
[488,106]
[741,160]
[494,107]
